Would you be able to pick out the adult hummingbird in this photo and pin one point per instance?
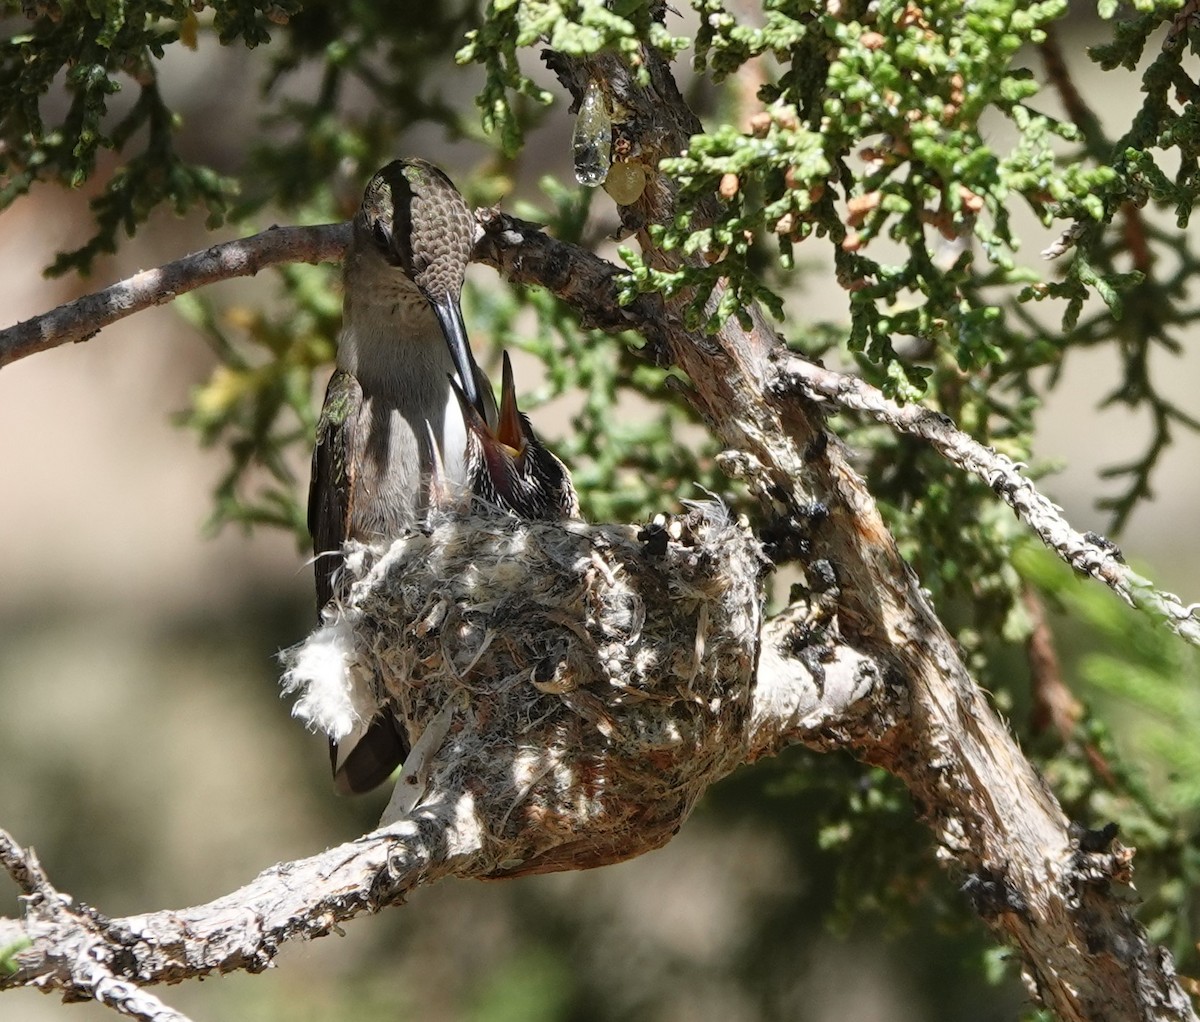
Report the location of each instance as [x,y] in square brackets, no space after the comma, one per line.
[391,413]
[508,466]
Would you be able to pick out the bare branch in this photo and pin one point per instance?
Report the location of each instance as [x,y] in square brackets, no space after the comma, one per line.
[23,867]
[83,318]
[77,947]
[886,680]
[994,819]
[589,284]
[1088,553]
[991,814]
[304,899]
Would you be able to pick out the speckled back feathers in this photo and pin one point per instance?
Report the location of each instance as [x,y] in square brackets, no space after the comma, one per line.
[417,220]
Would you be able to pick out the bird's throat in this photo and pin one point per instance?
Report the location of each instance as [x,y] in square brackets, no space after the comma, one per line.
[381,343]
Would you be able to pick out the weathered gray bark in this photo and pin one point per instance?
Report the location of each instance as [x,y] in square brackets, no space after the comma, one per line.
[995,821]
[83,318]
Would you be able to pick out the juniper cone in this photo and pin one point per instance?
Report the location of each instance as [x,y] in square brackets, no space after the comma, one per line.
[509,467]
[391,412]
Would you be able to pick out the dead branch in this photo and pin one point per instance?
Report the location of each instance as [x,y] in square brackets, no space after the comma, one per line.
[83,318]
[589,284]
[76,942]
[1088,553]
[1085,956]
[303,900]
[993,818]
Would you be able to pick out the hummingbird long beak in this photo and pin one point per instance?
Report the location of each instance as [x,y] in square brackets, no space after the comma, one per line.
[509,430]
[449,317]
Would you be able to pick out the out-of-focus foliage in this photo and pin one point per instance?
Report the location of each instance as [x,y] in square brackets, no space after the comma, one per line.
[98,49]
[381,69]
[257,408]
[891,142]
[1134,754]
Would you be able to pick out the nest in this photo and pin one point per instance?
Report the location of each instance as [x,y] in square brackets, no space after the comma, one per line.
[601,675]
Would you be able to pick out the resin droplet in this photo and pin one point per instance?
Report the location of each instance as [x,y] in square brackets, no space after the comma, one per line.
[626,182]
[593,138]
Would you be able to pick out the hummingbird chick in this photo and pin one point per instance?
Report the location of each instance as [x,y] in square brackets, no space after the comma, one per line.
[508,467]
[391,411]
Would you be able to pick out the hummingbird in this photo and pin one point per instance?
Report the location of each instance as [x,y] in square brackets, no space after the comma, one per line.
[392,407]
[508,466]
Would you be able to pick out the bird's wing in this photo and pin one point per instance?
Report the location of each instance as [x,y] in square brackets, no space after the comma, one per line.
[330,490]
[366,757]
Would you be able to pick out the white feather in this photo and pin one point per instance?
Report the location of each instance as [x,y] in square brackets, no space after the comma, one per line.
[335,691]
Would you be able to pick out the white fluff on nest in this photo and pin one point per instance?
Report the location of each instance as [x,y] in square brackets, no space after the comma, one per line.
[335,691]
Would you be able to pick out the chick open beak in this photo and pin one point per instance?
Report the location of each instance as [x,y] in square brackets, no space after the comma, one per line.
[509,430]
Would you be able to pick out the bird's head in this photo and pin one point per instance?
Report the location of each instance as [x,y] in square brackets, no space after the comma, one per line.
[413,236]
[509,467]
[416,221]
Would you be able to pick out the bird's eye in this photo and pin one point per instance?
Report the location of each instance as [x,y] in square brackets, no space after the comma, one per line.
[381,235]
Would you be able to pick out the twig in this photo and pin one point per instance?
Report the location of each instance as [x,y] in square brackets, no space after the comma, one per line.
[78,941]
[83,318]
[1089,553]
[1054,704]
[22,865]
[304,899]
[1065,241]
[124,997]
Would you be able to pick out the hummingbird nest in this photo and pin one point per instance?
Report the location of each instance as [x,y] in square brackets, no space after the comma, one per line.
[600,675]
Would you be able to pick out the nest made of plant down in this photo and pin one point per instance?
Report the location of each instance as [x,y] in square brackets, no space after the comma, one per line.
[601,674]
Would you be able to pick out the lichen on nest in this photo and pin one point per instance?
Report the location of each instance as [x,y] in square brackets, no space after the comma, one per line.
[601,674]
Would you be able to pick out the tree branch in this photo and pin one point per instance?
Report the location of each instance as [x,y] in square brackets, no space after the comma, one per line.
[1087,552]
[304,899]
[589,284]
[83,318]
[992,815]
[79,952]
